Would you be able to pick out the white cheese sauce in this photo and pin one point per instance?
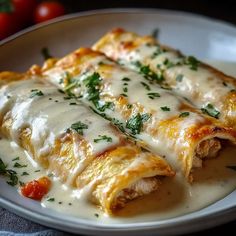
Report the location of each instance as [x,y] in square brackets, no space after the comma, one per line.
[175,196]
[213,182]
[203,88]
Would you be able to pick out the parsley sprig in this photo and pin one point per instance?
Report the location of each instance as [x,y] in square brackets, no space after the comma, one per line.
[103,138]
[79,127]
[135,123]
[11,174]
[210,110]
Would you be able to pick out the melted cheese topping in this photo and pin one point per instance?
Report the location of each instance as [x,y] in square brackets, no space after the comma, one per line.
[200,86]
[32,104]
[163,106]
[213,182]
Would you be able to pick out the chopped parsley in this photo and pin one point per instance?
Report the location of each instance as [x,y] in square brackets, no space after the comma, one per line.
[135,123]
[37,171]
[126,79]
[210,110]
[129,106]
[168,63]
[231,167]
[103,138]
[72,103]
[146,86]
[118,123]
[45,53]
[36,92]
[60,91]
[18,165]
[157,52]
[11,174]
[165,108]
[124,95]
[16,159]
[224,83]
[51,199]
[153,95]
[96,214]
[184,114]
[125,89]
[192,62]
[24,173]
[79,127]
[179,77]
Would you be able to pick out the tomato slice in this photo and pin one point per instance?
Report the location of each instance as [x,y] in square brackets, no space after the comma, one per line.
[36,189]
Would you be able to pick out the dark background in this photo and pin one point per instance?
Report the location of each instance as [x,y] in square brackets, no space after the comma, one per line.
[224,10]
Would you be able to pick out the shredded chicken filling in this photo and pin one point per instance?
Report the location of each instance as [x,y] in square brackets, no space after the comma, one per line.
[141,187]
[208,148]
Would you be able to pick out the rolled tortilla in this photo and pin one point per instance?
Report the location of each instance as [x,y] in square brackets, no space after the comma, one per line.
[68,139]
[163,121]
[204,86]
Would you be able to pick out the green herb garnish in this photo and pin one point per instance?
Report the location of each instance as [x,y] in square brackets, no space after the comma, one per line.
[126,79]
[168,63]
[52,199]
[24,173]
[18,165]
[146,86]
[16,159]
[184,114]
[11,174]
[135,123]
[36,92]
[192,62]
[79,127]
[210,110]
[153,95]
[165,108]
[129,106]
[103,138]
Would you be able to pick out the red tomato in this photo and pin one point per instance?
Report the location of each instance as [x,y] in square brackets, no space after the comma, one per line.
[8,24]
[24,9]
[48,10]
[36,189]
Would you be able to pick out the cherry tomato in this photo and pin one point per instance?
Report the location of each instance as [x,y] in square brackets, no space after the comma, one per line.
[36,189]
[48,10]
[24,9]
[8,24]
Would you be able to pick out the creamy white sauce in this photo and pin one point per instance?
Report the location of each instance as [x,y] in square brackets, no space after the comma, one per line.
[200,86]
[212,182]
[50,115]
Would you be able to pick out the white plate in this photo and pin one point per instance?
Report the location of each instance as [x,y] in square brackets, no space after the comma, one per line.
[205,38]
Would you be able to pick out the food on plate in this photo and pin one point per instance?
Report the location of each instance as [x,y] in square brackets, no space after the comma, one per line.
[163,121]
[205,87]
[68,139]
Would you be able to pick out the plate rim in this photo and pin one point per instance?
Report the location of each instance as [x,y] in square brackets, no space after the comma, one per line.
[72,16]
[89,227]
